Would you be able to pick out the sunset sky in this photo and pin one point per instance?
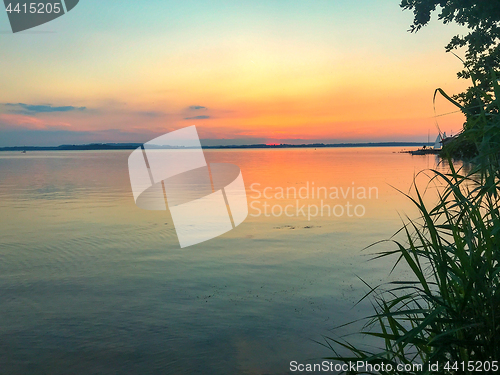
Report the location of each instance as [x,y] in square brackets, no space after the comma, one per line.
[243,72]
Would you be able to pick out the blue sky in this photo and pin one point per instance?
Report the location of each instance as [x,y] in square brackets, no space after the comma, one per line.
[263,70]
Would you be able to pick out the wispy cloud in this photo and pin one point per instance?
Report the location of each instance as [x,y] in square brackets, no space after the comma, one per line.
[16,121]
[32,109]
[197,118]
[197,108]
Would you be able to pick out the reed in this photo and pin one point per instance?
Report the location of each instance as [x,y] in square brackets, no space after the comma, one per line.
[449,310]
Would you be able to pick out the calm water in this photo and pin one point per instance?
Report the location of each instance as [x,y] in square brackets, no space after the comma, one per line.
[91,284]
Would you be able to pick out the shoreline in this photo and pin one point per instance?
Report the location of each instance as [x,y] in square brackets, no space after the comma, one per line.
[133,146]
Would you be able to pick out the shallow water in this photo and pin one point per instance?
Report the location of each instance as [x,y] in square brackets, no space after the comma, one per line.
[91,284]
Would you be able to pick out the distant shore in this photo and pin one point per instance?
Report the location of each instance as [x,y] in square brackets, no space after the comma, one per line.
[133,146]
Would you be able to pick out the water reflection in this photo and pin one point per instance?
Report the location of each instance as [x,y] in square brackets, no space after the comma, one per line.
[89,283]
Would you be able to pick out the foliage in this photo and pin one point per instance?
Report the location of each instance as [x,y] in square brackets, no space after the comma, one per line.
[480,137]
[482,19]
[449,311]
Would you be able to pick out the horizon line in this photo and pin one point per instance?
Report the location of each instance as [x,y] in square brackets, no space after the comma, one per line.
[130,145]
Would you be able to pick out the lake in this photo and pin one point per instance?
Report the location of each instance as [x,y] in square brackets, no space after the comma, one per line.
[92,284]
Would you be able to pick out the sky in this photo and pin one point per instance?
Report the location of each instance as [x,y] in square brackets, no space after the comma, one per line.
[274,71]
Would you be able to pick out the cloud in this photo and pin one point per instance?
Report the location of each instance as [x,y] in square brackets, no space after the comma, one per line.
[197,118]
[14,121]
[197,108]
[54,137]
[30,109]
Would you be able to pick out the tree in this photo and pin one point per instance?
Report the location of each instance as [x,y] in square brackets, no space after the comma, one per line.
[482,43]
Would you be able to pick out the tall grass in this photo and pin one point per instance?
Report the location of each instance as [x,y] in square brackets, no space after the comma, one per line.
[449,310]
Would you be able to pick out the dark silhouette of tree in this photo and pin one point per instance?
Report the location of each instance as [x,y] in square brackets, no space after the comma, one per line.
[482,55]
